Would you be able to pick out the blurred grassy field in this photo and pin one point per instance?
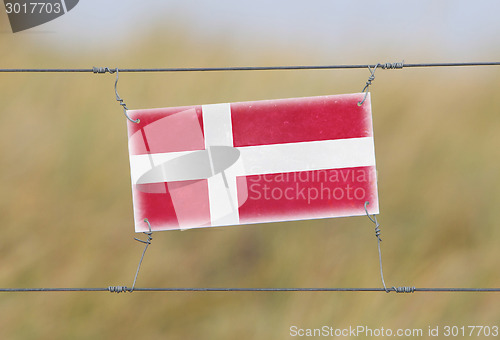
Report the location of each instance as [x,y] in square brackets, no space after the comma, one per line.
[66,210]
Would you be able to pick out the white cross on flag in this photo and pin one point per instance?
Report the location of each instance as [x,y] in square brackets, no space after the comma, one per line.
[252,162]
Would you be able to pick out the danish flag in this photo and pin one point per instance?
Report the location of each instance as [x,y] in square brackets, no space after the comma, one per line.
[252,162]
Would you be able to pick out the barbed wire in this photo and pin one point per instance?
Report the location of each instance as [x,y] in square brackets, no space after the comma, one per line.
[398,65]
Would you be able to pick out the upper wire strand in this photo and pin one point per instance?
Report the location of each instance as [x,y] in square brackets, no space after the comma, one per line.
[248,68]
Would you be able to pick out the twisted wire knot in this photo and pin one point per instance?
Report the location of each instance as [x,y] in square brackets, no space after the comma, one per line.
[374,220]
[403,289]
[392,66]
[147,233]
[118,289]
[385,66]
[122,103]
[378,231]
[369,81]
[103,70]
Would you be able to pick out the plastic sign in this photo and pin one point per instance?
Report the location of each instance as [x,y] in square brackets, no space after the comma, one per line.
[252,162]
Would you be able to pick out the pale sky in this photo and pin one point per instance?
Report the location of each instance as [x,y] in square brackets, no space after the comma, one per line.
[454,30]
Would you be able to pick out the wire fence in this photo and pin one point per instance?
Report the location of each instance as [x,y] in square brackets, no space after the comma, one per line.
[371,67]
